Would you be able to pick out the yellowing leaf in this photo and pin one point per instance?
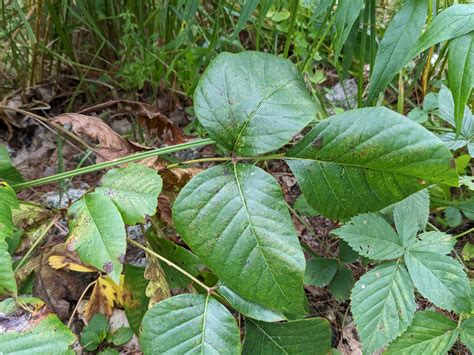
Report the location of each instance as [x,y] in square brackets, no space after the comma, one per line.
[101,300]
[158,288]
[62,261]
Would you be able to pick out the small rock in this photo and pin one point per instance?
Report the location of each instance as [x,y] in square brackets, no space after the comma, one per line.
[344,97]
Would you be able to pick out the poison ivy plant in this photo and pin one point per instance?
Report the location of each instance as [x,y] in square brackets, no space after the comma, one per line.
[189,323]
[252,103]
[305,336]
[383,301]
[97,221]
[366,159]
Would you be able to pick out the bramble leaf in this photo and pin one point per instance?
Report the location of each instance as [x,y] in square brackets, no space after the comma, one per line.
[439,278]
[97,233]
[467,333]
[366,159]
[305,336]
[430,333]
[252,102]
[134,190]
[189,324]
[235,219]
[371,236]
[383,305]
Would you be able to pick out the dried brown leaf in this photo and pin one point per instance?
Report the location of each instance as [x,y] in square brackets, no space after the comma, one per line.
[110,144]
[102,299]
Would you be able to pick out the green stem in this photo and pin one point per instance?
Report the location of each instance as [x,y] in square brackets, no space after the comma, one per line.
[463,233]
[171,264]
[294,15]
[109,164]
[360,75]
[36,243]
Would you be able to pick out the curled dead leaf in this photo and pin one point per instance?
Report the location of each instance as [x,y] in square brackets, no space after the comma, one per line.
[69,263]
[154,120]
[105,295]
[110,144]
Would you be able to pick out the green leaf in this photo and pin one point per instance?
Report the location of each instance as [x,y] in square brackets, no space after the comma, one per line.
[252,102]
[189,324]
[235,219]
[341,284]
[433,242]
[346,253]
[134,190]
[467,333]
[97,233]
[39,333]
[430,333]
[347,13]
[122,336]
[320,271]
[302,207]
[7,277]
[180,256]
[383,305]
[411,215]
[453,22]
[8,172]
[397,43]
[8,202]
[440,279]
[248,308]
[366,159]
[135,299]
[305,336]
[461,74]
[371,236]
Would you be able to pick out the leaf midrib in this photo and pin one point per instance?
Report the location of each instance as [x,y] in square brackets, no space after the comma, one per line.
[269,337]
[355,166]
[244,203]
[254,111]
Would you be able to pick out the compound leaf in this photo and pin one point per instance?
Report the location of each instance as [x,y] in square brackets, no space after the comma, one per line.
[235,219]
[371,236]
[97,233]
[305,336]
[252,102]
[397,43]
[430,333]
[440,279]
[383,305]
[134,190]
[189,324]
[366,159]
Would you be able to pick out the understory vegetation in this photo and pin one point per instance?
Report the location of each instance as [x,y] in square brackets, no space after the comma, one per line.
[236,176]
